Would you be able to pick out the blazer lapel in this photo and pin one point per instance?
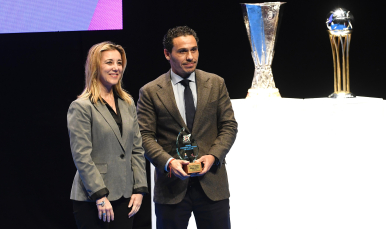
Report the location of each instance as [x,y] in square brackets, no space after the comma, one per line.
[110,120]
[203,92]
[125,121]
[166,95]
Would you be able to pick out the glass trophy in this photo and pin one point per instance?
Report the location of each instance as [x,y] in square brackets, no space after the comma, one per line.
[187,150]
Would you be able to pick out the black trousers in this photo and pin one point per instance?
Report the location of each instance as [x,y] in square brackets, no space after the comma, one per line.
[86,215]
[208,214]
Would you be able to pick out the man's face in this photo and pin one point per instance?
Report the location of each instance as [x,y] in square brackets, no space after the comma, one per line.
[184,56]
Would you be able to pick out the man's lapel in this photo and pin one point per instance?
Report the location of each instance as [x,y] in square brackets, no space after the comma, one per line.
[166,95]
[104,111]
[203,91]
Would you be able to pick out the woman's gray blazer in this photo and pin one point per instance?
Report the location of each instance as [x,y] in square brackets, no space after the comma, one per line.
[104,158]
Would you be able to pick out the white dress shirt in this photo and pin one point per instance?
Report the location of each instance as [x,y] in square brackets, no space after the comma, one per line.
[179,89]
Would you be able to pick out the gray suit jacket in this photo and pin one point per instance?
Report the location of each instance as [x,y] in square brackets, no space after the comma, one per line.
[104,158]
[214,129]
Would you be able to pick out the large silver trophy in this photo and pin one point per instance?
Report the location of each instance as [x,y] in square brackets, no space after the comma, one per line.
[339,24]
[261,21]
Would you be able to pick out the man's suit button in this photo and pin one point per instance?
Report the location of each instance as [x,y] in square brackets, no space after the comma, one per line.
[122,156]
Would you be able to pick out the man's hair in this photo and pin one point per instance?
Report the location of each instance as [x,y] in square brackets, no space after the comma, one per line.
[177,32]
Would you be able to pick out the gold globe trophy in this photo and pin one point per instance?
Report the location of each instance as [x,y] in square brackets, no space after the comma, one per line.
[339,24]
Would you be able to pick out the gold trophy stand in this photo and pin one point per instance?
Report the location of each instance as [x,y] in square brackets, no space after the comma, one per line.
[341,40]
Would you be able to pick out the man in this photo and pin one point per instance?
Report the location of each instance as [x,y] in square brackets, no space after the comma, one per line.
[186,97]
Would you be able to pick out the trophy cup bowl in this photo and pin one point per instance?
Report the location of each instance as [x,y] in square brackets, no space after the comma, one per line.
[261,21]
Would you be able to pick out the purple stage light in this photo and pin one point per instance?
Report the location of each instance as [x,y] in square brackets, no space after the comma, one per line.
[107,15]
[26,16]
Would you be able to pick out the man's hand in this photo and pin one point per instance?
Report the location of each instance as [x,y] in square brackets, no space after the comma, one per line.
[105,212]
[135,201]
[208,161]
[176,168]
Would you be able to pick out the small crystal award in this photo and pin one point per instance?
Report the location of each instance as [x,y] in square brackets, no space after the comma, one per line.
[187,150]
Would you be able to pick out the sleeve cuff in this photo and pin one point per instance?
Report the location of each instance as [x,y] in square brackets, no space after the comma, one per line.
[99,194]
[216,160]
[167,164]
[142,190]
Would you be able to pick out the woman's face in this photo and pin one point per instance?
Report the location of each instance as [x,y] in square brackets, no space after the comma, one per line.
[110,68]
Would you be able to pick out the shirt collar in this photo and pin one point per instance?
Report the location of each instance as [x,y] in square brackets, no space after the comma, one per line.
[116,96]
[176,78]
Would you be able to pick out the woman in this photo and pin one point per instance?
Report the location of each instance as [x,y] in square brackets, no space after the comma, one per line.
[106,145]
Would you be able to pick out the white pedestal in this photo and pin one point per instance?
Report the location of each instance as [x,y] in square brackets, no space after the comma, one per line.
[313,163]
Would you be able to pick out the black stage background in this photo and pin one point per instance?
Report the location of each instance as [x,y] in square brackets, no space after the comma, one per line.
[43,72]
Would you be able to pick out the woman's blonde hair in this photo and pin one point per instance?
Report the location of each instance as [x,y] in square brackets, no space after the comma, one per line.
[92,73]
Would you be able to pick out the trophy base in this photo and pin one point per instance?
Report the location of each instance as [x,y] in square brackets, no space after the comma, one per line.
[341,95]
[263,93]
[194,167]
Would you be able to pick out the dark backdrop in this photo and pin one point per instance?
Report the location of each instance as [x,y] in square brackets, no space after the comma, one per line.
[43,72]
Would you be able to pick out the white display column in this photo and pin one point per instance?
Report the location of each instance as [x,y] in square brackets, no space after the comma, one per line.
[313,163]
